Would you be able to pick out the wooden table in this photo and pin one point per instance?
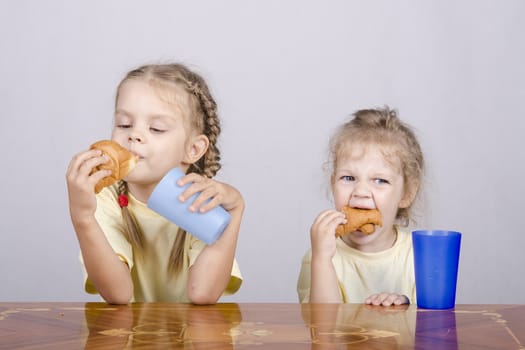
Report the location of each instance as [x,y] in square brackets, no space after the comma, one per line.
[258,326]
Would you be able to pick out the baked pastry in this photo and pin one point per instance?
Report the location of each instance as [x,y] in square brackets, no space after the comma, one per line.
[120,162]
[363,220]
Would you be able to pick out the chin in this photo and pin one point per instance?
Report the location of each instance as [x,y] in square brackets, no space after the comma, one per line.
[361,235]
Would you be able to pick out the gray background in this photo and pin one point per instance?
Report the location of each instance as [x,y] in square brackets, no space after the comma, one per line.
[285,74]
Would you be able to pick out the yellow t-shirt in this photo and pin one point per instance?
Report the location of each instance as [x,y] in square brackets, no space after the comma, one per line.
[362,274]
[150,278]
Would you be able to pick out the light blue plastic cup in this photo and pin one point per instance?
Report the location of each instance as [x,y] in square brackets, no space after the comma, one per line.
[207,227]
[436,262]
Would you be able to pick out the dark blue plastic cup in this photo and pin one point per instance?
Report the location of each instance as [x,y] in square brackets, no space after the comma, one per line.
[436,261]
[164,200]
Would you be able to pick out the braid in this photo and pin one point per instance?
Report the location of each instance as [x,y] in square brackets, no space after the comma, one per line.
[209,165]
[176,262]
[132,227]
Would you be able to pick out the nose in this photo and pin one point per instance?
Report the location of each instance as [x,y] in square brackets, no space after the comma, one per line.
[361,196]
[135,136]
[134,139]
[361,190]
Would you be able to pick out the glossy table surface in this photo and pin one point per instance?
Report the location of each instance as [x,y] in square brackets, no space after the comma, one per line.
[258,326]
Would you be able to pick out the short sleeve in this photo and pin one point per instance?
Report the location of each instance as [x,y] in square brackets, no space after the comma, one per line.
[109,217]
[235,280]
[303,282]
[196,247]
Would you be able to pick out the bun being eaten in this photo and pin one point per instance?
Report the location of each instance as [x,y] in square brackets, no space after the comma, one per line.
[121,162]
[363,220]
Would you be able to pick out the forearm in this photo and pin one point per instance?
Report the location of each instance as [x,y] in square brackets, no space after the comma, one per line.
[324,286]
[211,272]
[109,275]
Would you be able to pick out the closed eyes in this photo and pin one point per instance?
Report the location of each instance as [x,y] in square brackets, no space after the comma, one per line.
[157,130]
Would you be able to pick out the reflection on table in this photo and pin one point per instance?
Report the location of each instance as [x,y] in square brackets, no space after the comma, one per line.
[258,326]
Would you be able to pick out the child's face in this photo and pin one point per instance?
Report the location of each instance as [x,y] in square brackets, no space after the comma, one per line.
[152,129]
[363,178]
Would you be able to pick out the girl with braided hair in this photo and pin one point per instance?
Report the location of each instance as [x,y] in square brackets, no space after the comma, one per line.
[166,116]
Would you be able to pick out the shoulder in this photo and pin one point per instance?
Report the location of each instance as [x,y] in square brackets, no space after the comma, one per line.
[307,257]
[404,238]
[403,247]
[107,200]
[108,194]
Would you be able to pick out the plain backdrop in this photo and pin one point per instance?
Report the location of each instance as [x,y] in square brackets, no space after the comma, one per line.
[284,74]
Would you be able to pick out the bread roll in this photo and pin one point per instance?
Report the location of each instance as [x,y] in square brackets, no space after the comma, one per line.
[121,162]
[363,220]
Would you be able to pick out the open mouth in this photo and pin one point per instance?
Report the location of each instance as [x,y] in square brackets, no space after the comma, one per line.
[363,207]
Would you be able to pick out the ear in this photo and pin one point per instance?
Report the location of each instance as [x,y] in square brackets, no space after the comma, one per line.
[409,196]
[196,148]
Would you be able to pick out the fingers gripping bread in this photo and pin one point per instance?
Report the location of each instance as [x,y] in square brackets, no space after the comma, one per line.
[121,162]
[363,220]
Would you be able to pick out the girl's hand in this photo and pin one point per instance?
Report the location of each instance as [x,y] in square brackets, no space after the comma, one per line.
[218,193]
[322,233]
[387,299]
[81,184]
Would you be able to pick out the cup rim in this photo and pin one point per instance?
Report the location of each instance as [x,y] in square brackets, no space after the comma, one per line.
[436,233]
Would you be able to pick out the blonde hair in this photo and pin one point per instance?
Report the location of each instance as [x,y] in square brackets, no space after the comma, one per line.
[382,127]
[172,79]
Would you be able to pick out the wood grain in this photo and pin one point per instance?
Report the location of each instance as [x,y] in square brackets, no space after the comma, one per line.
[258,326]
